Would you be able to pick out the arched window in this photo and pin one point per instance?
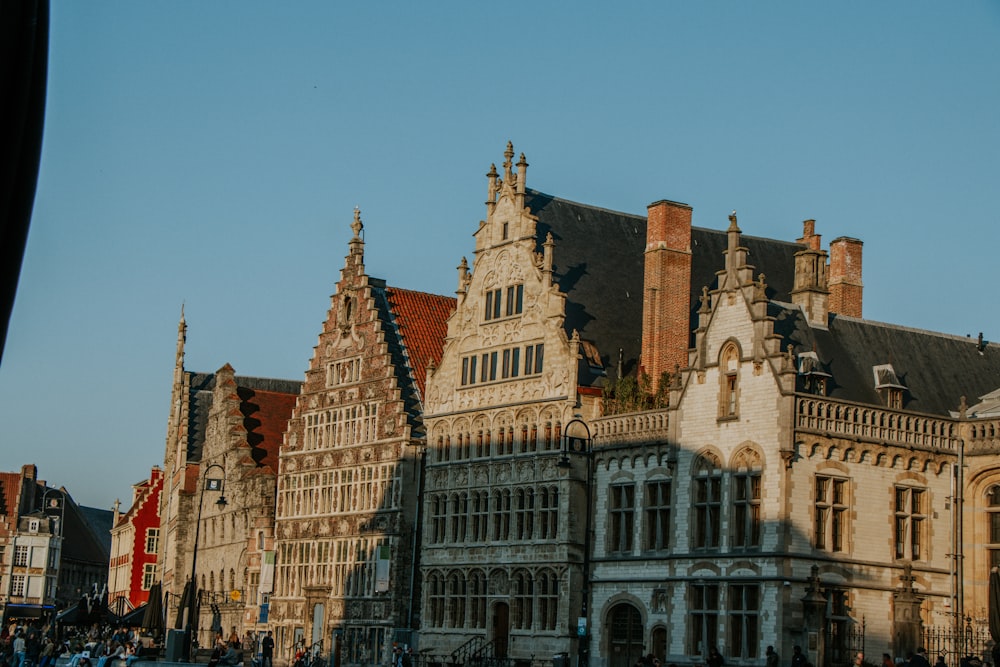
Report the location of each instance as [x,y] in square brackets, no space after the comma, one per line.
[477,599]
[707,502]
[456,600]
[746,500]
[548,599]
[729,377]
[435,600]
[522,597]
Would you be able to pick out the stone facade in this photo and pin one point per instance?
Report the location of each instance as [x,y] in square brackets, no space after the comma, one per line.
[502,540]
[217,505]
[460,474]
[351,472]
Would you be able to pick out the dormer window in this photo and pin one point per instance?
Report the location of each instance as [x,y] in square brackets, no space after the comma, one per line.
[33,526]
[888,385]
[814,378]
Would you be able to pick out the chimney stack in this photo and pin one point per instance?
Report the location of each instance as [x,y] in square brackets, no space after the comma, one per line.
[666,301]
[846,288]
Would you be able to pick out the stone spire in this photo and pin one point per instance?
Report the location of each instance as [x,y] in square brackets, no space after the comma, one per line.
[181,339]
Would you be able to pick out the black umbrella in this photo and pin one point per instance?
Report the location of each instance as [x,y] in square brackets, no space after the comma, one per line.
[185,606]
[152,620]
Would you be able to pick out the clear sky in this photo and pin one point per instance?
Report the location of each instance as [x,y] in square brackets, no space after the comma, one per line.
[211,154]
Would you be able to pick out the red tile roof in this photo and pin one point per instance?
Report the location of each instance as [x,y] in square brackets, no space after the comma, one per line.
[10,493]
[265,417]
[422,319]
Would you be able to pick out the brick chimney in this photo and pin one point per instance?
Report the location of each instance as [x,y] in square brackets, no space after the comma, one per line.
[666,300]
[846,288]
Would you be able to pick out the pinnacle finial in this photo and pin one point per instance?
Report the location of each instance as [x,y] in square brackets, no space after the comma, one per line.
[507,164]
[357,225]
[733,227]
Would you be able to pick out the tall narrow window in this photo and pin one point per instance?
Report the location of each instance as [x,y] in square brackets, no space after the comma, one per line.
[993,527]
[477,599]
[523,594]
[480,515]
[21,555]
[621,517]
[548,513]
[435,600]
[515,298]
[831,513]
[744,622]
[729,369]
[657,508]
[548,600]
[703,618]
[707,505]
[459,516]
[746,509]
[492,304]
[456,600]
[439,518]
[152,540]
[910,517]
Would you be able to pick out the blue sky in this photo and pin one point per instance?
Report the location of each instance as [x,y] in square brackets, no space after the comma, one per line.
[211,154]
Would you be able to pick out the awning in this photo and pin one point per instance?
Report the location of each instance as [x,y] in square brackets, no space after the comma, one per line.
[132,619]
[27,610]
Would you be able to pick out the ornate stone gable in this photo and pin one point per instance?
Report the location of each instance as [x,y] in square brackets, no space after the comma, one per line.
[509,310]
[347,486]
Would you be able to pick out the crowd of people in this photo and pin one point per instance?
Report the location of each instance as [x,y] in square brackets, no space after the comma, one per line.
[95,646]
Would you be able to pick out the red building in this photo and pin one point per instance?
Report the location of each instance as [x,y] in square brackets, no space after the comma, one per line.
[135,540]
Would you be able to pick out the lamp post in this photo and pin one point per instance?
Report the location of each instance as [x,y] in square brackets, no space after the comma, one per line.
[577,440]
[191,625]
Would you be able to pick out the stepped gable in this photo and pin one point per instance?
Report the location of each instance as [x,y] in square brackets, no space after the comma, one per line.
[265,417]
[275,397]
[598,264]
[936,369]
[142,493]
[422,322]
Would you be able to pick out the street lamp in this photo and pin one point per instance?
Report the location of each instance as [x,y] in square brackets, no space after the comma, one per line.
[577,440]
[191,626]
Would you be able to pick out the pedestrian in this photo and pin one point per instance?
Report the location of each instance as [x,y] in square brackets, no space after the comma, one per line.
[267,650]
[771,658]
[798,659]
[941,663]
[714,658]
[919,659]
[18,648]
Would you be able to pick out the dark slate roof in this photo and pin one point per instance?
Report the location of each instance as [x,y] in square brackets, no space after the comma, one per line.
[86,532]
[936,369]
[598,264]
[100,522]
[200,405]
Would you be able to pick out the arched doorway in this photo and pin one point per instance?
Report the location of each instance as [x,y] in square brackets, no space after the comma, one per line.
[501,629]
[625,635]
